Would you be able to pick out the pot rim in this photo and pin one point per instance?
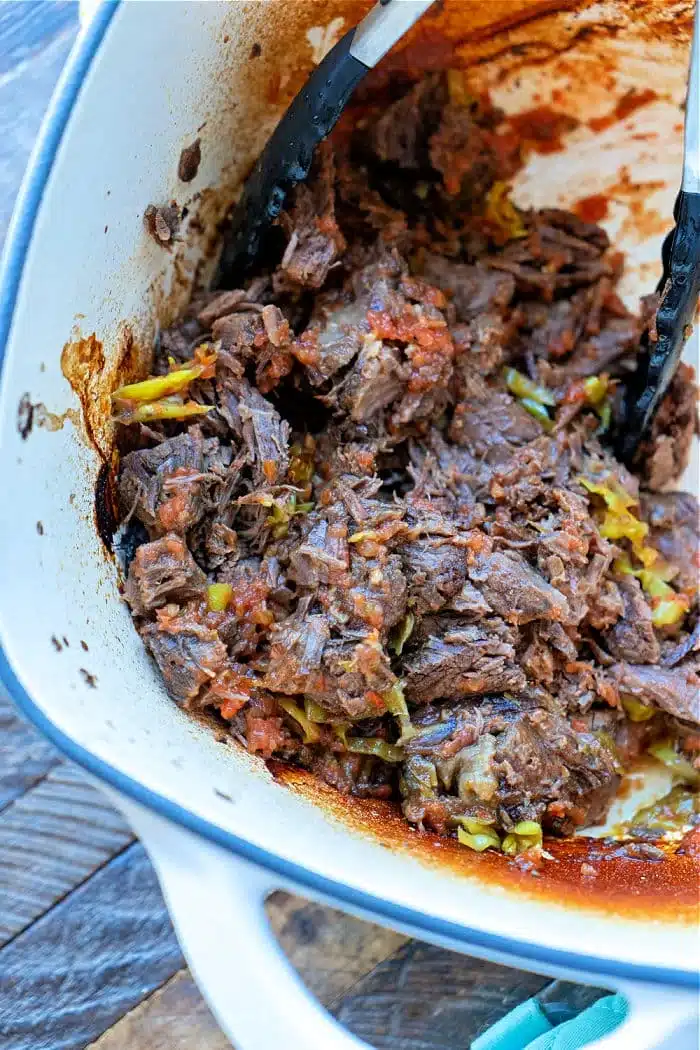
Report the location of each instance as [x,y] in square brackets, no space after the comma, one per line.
[433,928]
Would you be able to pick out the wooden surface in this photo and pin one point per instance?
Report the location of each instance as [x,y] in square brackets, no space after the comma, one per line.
[88,957]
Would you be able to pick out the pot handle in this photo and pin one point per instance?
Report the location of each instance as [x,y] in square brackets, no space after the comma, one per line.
[216,901]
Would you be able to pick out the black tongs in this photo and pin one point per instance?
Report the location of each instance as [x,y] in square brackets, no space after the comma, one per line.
[679,286]
[313,114]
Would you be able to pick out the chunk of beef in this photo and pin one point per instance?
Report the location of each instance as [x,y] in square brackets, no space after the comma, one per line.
[356,677]
[600,353]
[323,556]
[334,337]
[315,240]
[568,222]
[296,651]
[373,594]
[515,590]
[436,572]
[166,486]
[473,659]
[490,423]
[259,424]
[376,380]
[400,134]
[552,330]
[187,652]
[674,521]
[633,637]
[675,690]
[474,290]
[664,455]
[464,154]
[485,342]
[239,332]
[505,760]
[546,771]
[163,571]
[356,775]
[689,643]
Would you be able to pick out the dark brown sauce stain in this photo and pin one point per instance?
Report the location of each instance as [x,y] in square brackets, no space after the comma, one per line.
[189,162]
[89,679]
[56,644]
[613,879]
[541,128]
[643,221]
[25,416]
[631,101]
[82,364]
[593,208]
[162,223]
[106,508]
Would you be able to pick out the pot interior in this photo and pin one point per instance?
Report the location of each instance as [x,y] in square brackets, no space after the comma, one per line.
[95,286]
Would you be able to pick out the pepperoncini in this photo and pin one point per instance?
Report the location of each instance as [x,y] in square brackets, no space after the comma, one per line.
[311,732]
[160,397]
[401,633]
[525,835]
[477,836]
[218,596]
[372,745]
[523,387]
[663,751]
[396,704]
[502,213]
[635,710]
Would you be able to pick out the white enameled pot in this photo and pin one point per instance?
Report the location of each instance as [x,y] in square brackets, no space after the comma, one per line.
[144,81]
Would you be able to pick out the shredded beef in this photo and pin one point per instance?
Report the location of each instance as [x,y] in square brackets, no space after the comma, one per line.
[392,544]
[188,653]
[161,572]
[675,690]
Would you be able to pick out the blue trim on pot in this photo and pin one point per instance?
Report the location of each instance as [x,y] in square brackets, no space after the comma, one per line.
[19,239]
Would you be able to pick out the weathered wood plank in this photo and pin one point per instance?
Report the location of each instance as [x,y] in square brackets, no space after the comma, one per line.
[51,840]
[330,950]
[89,961]
[425,998]
[26,84]
[27,28]
[25,757]
[173,1018]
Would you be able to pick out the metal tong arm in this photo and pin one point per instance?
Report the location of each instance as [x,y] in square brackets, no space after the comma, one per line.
[679,285]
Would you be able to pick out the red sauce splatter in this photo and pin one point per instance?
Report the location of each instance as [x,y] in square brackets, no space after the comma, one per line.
[593,208]
[631,101]
[542,128]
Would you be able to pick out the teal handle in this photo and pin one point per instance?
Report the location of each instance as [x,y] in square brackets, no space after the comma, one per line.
[527,1028]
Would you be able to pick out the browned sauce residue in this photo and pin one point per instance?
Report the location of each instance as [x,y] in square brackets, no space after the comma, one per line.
[642,222]
[542,128]
[162,223]
[615,880]
[106,509]
[189,162]
[593,208]
[628,104]
[82,364]
[30,415]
